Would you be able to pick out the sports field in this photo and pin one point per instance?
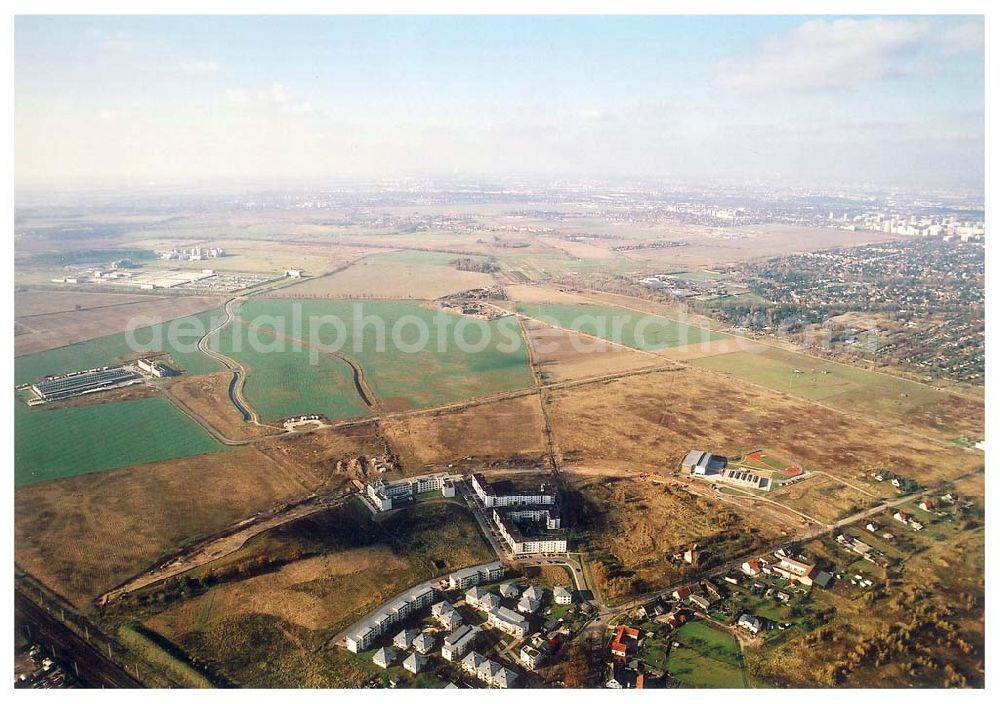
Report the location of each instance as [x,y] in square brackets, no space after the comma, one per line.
[707,657]
[178,337]
[64,442]
[629,328]
[412,356]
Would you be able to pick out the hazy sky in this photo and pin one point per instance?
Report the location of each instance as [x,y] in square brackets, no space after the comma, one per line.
[890,101]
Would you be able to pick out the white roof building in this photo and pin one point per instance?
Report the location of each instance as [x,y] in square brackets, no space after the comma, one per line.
[471,662]
[404,639]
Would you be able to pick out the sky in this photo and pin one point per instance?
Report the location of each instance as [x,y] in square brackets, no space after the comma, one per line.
[812,101]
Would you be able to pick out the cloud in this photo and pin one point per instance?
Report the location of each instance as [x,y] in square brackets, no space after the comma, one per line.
[275,98]
[198,66]
[109,115]
[828,55]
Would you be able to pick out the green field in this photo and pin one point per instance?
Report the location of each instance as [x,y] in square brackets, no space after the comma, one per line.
[402,372]
[850,388]
[286,383]
[708,657]
[636,330]
[178,337]
[64,442]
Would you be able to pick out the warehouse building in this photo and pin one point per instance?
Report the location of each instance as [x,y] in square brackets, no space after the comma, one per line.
[84,383]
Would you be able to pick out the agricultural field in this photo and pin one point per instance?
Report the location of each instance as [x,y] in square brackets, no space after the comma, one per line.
[649,422]
[403,370]
[406,275]
[207,396]
[330,569]
[708,657]
[560,354]
[178,338]
[284,381]
[824,499]
[497,431]
[854,390]
[52,443]
[629,328]
[85,534]
[56,321]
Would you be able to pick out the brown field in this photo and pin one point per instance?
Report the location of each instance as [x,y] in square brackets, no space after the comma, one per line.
[634,527]
[83,535]
[313,456]
[577,250]
[512,428]
[649,422]
[560,354]
[822,498]
[389,279]
[526,293]
[708,247]
[56,323]
[208,397]
[275,628]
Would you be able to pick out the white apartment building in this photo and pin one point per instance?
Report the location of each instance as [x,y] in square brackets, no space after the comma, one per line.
[459,642]
[380,623]
[471,576]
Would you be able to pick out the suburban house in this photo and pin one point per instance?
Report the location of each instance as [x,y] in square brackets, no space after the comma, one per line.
[752,567]
[681,594]
[415,663]
[528,605]
[562,595]
[509,590]
[625,642]
[384,657]
[404,639]
[424,643]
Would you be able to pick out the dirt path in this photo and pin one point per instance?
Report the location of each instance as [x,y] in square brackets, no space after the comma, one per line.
[229,541]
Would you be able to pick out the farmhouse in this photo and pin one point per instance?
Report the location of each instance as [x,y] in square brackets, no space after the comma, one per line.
[796,570]
[752,568]
[750,623]
[625,641]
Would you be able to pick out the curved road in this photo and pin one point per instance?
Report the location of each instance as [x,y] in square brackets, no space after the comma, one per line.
[239,372]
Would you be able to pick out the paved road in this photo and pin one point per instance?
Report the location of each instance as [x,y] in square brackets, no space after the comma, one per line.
[95,670]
